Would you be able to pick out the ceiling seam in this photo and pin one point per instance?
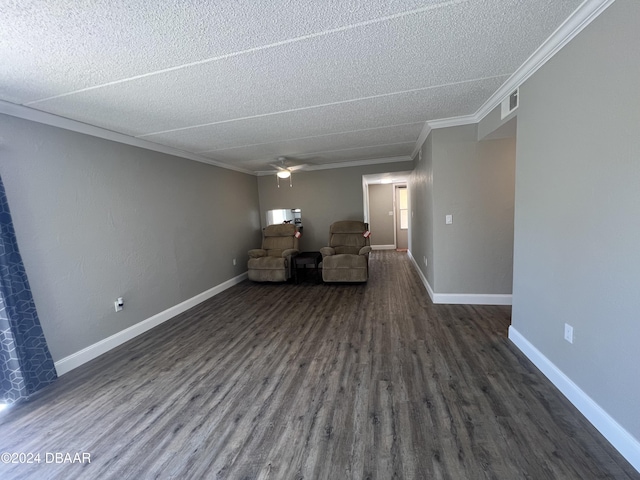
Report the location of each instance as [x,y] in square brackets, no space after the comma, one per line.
[311,136]
[311,107]
[257,49]
[352,163]
[302,156]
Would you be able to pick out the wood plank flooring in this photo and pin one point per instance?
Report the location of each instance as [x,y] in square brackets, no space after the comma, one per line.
[314,382]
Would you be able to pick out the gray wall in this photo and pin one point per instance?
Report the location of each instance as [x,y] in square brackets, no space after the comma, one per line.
[324,196]
[380,222]
[491,126]
[421,208]
[97,219]
[474,182]
[577,234]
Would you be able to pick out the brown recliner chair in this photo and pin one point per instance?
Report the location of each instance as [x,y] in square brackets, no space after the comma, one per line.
[346,259]
[272,262]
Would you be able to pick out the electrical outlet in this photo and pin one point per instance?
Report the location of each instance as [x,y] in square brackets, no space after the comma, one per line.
[426,264]
[448,219]
[568,333]
[119,304]
[234,261]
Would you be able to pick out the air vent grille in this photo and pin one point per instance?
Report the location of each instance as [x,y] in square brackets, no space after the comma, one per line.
[510,103]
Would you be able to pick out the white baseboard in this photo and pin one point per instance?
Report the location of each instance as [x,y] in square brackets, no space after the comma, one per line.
[623,441]
[425,282]
[383,247]
[461,298]
[472,298]
[74,360]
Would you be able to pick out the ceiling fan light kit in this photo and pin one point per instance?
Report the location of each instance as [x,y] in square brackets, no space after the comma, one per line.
[284,174]
[284,170]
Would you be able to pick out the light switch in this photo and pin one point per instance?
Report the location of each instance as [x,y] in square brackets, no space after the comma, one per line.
[391,213]
[448,219]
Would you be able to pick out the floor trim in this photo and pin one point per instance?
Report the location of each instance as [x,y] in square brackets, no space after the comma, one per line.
[383,247]
[472,298]
[461,298]
[623,441]
[83,356]
[424,280]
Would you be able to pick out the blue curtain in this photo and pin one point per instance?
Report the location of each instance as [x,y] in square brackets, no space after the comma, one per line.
[25,362]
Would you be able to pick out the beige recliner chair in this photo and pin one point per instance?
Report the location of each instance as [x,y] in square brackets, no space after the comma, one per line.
[272,262]
[346,259]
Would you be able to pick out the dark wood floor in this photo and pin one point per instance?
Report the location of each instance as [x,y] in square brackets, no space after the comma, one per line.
[316,382]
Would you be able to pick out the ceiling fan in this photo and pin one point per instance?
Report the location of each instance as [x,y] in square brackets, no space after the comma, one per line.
[284,171]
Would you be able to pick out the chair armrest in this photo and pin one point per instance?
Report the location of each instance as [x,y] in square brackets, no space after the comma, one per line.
[327,251]
[257,253]
[364,250]
[290,252]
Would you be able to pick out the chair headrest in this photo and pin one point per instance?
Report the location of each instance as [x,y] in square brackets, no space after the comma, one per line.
[348,226]
[280,230]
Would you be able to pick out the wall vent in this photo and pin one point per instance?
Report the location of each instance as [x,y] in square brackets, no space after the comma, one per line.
[510,103]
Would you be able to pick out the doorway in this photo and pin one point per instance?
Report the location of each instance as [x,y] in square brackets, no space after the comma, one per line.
[401,201]
[387,221]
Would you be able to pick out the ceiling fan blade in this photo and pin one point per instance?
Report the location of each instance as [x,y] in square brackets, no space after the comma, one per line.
[277,167]
[298,167]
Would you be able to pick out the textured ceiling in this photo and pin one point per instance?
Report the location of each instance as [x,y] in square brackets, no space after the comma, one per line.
[243,82]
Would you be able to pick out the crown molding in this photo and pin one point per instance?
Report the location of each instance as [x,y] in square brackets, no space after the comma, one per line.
[572,26]
[31,114]
[583,16]
[453,121]
[426,130]
[362,163]
[354,163]
[39,116]
[441,123]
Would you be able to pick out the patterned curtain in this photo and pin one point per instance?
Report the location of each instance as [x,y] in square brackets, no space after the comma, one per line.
[25,362]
